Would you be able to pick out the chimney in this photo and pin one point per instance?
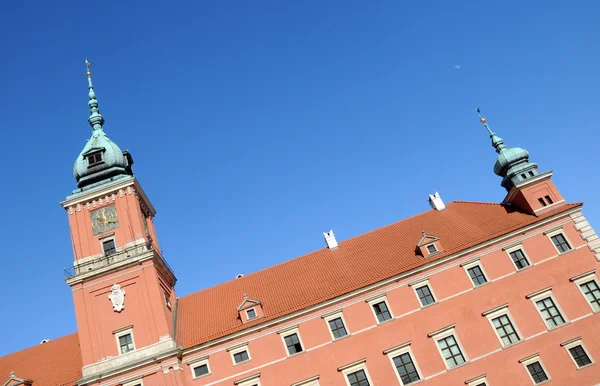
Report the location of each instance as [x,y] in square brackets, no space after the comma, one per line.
[330,240]
[436,201]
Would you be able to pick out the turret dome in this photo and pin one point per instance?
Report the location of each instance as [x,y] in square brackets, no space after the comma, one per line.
[101,159]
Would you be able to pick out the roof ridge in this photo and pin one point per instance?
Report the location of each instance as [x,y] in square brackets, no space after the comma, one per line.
[476,202]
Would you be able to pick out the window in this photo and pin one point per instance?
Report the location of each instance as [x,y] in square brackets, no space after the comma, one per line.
[560,243]
[541,201]
[548,308]
[549,200]
[109,247]
[337,327]
[523,175]
[588,285]
[549,312]
[380,309]
[253,380]
[449,346]
[292,342]
[530,173]
[476,275]
[537,373]
[425,295]
[126,343]
[578,352]
[535,369]
[501,321]
[251,313]
[239,353]
[519,259]
[402,359]
[480,380]
[94,159]
[356,374]
[431,248]
[312,381]
[200,368]
[137,382]
[592,293]
[241,356]
[358,378]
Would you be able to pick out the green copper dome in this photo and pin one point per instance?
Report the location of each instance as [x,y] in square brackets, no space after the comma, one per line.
[512,163]
[101,160]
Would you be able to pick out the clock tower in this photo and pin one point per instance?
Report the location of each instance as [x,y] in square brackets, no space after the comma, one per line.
[123,289]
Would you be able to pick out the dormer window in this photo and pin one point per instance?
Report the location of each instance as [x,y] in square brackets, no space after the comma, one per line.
[250,309]
[94,159]
[431,248]
[428,245]
[251,313]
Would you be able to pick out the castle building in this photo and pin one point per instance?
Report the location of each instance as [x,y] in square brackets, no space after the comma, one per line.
[466,293]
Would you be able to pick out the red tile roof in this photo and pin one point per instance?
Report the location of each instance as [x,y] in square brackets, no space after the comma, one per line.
[360,261]
[55,363]
[317,277]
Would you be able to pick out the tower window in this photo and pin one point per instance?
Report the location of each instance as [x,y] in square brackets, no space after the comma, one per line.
[523,176]
[541,201]
[126,343]
[109,247]
[94,159]
[530,173]
[549,200]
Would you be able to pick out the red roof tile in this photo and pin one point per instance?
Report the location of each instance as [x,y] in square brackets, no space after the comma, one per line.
[360,261]
[55,363]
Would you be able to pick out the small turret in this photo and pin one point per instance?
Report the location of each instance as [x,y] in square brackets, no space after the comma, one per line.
[512,163]
[101,160]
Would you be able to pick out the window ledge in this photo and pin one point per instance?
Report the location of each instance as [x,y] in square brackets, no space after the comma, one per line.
[586,366]
[546,381]
[557,327]
[296,354]
[481,285]
[242,363]
[202,376]
[512,344]
[344,337]
[531,265]
[385,321]
[567,252]
[458,366]
[429,305]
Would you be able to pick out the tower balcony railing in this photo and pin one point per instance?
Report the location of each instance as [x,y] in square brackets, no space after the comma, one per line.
[113,258]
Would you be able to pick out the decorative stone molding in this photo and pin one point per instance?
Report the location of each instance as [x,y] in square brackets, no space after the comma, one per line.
[117,297]
[587,233]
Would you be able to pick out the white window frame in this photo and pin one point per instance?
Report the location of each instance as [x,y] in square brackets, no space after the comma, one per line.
[105,238]
[435,250]
[501,311]
[584,278]
[122,332]
[561,231]
[399,350]
[577,342]
[420,284]
[378,299]
[137,382]
[312,381]
[248,381]
[516,248]
[287,332]
[531,359]
[354,367]
[472,264]
[444,333]
[478,380]
[248,315]
[329,317]
[542,294]
[238,349]
[198,363]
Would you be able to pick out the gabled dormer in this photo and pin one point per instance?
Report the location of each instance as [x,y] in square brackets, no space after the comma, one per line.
[250,310]
[13,380]
[428,245]
[94,156]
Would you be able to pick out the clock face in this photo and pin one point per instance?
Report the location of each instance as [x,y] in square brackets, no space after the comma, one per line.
[104,219]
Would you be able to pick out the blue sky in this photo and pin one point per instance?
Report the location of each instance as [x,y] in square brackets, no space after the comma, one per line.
[256,126]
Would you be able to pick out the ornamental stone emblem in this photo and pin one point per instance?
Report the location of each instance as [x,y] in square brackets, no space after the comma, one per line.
[117,297]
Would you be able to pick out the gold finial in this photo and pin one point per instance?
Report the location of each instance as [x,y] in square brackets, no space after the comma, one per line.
[88,65]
